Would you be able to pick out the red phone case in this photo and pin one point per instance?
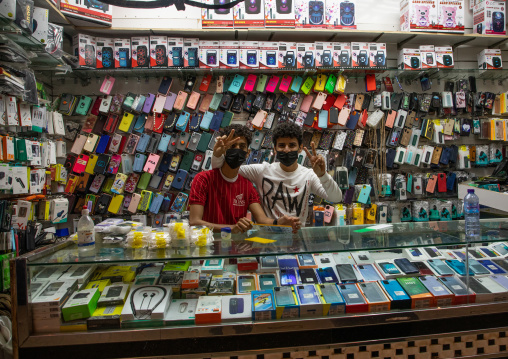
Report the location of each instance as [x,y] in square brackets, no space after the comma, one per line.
[205,83]
[441,182]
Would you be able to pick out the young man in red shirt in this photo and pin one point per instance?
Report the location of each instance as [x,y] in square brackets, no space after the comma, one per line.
[221,197]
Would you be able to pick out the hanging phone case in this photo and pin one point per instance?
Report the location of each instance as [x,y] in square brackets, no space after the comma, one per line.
[126,122]
[92,161]
[139,162]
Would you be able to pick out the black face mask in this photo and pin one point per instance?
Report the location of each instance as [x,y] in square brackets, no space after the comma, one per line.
[235,157]
[287,158]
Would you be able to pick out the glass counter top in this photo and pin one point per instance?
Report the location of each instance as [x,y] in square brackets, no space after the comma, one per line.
[307,240]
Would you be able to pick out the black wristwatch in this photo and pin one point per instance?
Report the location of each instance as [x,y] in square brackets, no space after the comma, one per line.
[275,222]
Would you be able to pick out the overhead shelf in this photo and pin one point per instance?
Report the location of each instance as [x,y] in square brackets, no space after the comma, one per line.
[305,35]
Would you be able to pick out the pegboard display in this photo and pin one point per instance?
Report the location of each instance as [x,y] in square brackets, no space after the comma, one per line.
[410,159]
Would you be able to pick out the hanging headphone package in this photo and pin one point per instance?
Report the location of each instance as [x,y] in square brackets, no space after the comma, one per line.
[279,13]
[216,18]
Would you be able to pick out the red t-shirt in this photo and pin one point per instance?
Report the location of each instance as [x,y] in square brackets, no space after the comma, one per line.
[225,202]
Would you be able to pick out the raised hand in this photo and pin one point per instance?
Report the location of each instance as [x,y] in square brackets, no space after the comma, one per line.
[223,143]
[317,161]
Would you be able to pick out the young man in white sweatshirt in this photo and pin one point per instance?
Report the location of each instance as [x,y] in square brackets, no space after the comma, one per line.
[285,186]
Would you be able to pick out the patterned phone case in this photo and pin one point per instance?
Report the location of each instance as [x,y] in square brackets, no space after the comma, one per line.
[316,137]
[307,137]
[350,139]
[340,140]
[267,140]
[326,140]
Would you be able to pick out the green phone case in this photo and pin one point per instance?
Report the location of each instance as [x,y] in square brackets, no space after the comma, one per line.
[214,105]
[227,82]
[144,180]
[307,85]
[330,83]
[203,142]
[187,159]
[260,87]
[83,105]
[226,120]
[108,184]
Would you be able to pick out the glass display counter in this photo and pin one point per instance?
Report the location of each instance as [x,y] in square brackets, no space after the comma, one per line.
[374,255]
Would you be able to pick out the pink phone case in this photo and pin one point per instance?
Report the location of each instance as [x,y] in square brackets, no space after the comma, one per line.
[107,85]
[343,116]
[319,101]
[285,83]
[390,118]
[307,101]
[272,84]
[97,183]
[250,83]
[151,163]
[114,164]
[160,101]
[80,164]
[133,206]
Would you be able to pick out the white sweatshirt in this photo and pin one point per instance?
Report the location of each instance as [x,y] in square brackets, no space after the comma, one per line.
[284,192]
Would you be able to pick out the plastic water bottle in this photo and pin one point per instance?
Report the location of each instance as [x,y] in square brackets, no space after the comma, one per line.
[86,232]
[472,216]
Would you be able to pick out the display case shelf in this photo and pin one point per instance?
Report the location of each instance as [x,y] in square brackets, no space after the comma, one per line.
[307,240]
[492,199]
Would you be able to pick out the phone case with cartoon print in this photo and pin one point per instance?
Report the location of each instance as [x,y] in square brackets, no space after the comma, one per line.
[326,140]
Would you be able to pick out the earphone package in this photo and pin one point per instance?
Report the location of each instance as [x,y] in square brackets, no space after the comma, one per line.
[147,302]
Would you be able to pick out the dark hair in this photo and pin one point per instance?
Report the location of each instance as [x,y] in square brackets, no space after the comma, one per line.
[287,130]
[240,131]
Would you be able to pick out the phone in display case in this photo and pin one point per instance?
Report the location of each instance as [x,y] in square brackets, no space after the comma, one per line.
[440,267]
[267,281]
[246,284]
[369,273]
[346,273]
[307,294]
[284,296]
[327,275]
[458,266]
[236,305]
[308,276]
[288,277]
[389,268]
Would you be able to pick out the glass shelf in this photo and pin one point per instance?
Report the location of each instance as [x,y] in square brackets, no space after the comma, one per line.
[44,60]
[351,73]
[307,240]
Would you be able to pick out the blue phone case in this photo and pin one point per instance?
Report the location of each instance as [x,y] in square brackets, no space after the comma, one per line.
[156,203]
[164,142]
[216,120]
[139,124]
[140,104]
[236,84]
[179,202]
[327,275]
[450,181]
[389,268]
[139,162]
[144,139]
[195,121]
[364,194]
[287,263]
[103,144]
[307,294]
[297,83]
[180,179]
[165,162]
[181,124]
[323,119]
[353,120]
[205,122]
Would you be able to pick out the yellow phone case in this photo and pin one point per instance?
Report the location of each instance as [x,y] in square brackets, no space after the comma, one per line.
[92,161]
[358,215]
[320,83]
[116,202]
[126,122]
[340,86]
[146,198]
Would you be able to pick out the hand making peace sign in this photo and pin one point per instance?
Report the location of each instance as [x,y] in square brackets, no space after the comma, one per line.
[317,161]
[223,143]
